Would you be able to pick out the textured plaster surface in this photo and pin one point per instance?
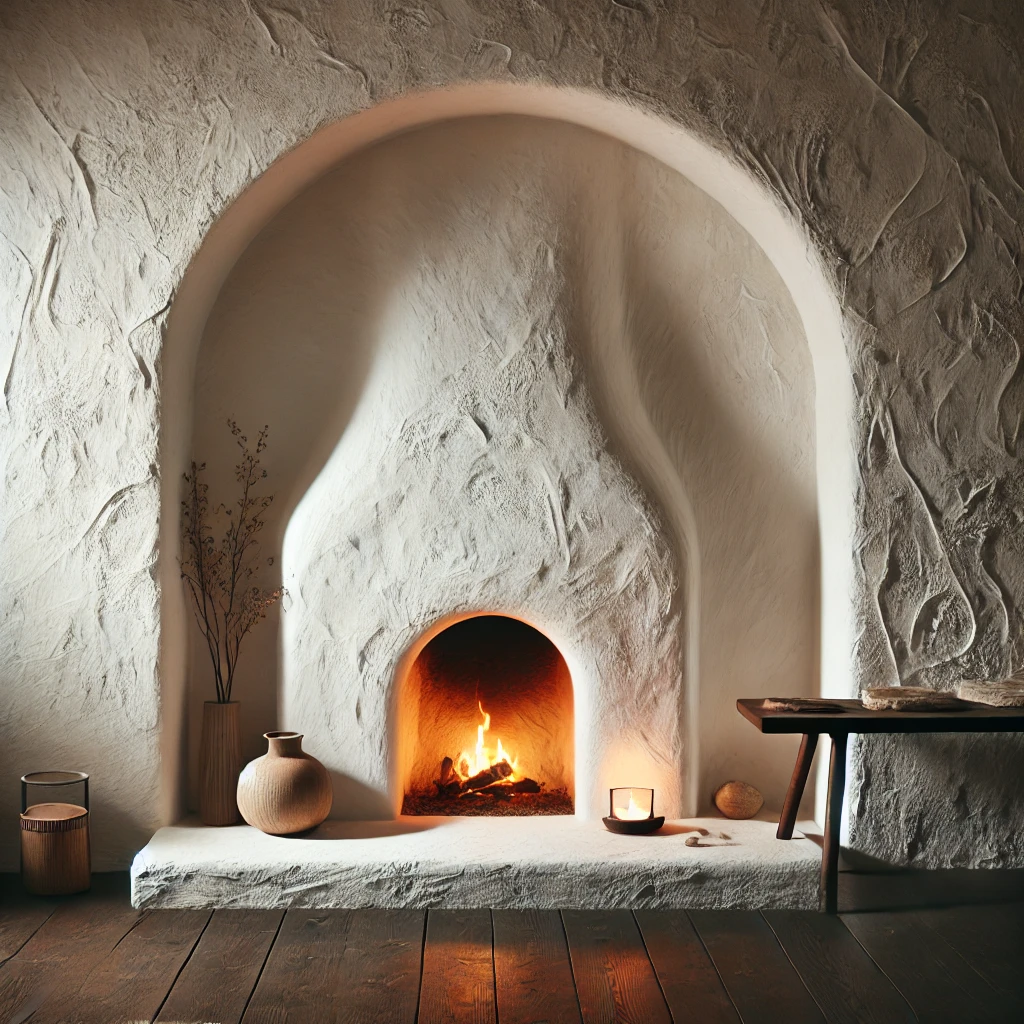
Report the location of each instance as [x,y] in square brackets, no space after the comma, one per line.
[509,292]
[479,862]
[890,133]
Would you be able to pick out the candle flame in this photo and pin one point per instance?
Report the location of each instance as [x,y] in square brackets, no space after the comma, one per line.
[633,812]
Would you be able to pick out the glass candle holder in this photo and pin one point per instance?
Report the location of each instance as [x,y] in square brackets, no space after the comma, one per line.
[632,811]
[632,804]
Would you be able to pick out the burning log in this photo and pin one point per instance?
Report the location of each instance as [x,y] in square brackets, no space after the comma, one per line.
[495,791]
[497,772]
[504,789]
[525,786]
[491,782]
[449,784]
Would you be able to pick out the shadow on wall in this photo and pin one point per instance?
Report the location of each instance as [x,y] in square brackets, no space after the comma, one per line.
[294,333]
[722,369]
[111,831]
[289,343]
[756,512]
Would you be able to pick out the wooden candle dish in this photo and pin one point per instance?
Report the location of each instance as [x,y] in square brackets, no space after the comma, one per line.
[634,826]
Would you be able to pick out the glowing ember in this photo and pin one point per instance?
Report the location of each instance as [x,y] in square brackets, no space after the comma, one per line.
[469,764]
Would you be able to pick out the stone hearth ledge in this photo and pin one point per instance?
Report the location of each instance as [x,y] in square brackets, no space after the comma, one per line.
[542,862]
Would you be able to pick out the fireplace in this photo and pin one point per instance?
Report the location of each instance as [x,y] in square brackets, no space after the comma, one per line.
[488,708]
[560,441]
[548,477]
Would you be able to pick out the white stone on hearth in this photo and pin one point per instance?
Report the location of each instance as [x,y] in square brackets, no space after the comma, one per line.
[539,862]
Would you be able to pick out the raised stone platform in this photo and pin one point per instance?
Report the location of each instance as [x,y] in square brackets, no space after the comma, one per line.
[543,862]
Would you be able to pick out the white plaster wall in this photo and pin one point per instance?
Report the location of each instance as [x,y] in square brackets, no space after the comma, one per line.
[473,473]
[481,281]
[890,135]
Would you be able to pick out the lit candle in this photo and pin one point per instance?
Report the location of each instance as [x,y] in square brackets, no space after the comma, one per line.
[632,804]
[632,812]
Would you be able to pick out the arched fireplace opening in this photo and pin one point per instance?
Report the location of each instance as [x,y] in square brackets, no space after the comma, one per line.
[487,706]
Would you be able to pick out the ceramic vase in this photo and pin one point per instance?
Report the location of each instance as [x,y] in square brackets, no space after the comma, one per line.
[286,790]
[220,761]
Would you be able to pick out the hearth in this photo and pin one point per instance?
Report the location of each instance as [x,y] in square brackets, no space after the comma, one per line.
[490,705]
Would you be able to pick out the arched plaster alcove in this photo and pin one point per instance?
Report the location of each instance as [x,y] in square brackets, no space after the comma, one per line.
[647,298]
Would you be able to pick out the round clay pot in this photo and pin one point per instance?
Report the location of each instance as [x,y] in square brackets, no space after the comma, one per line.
[285,790]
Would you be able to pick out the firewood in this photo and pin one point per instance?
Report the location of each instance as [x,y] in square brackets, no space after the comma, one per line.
[525,786]
[446,770]
[504,789]
[448,790]
[501,770]
[495,791]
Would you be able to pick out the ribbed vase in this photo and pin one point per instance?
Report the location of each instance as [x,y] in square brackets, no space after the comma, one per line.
[220,761]
[55,849]
[286,790]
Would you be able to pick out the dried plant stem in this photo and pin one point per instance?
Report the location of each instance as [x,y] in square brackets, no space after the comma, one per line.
[220,576]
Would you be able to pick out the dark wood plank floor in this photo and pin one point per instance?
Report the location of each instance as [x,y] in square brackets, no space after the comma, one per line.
[92,958]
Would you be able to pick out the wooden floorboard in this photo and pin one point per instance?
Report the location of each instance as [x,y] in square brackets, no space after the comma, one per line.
[845,982]
[689,980]
[20,919]
[131,982]
[990,939]
[458,969]
[92,958]
[341,967]
[762,983]
[937,982]
[51,966]
[615,979]
[532,972]
[221,973]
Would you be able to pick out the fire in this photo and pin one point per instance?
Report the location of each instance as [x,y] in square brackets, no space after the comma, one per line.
[468,764]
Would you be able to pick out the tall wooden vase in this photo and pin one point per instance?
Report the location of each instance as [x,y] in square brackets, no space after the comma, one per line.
[220,762]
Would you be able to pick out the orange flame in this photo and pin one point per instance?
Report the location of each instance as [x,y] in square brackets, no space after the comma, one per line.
[469,764]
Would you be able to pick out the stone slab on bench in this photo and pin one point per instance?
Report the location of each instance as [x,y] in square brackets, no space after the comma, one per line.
[463,862]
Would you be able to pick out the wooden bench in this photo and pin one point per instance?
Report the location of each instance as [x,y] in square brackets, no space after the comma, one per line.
[839,724]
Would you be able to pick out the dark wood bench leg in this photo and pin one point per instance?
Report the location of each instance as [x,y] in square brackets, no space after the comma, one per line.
[796,786]
[833,818]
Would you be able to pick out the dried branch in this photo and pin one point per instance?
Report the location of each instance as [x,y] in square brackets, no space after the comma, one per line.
[221,577]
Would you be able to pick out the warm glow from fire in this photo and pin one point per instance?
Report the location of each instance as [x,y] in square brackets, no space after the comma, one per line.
[468,764]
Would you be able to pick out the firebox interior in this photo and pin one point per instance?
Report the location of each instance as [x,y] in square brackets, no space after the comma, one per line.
[489,691]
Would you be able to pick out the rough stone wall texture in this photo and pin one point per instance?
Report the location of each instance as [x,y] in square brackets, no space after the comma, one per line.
[893,132]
